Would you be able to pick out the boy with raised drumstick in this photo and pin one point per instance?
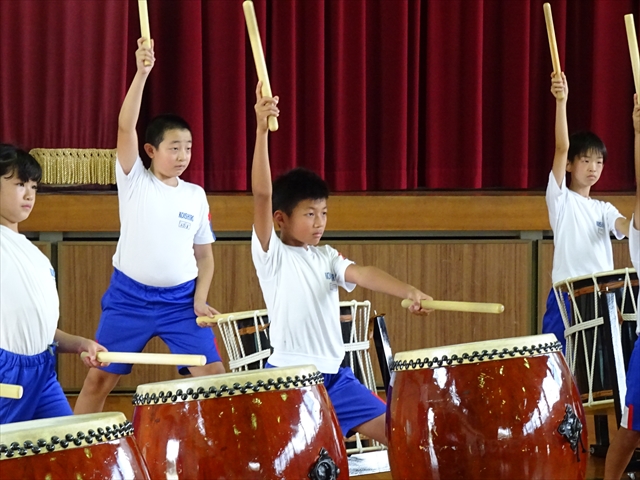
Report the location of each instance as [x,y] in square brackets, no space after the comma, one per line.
[163,265]
[627,438]
[300,281]
[581,225]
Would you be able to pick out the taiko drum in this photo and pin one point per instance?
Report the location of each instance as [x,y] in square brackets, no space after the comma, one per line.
[96,446]
[273,423]
[500,409]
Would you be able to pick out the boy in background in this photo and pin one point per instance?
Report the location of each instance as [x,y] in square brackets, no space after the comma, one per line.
[163,265]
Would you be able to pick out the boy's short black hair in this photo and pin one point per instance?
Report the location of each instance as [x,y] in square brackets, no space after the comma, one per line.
[14,161]
[160,124]
[295,186]
[583,143]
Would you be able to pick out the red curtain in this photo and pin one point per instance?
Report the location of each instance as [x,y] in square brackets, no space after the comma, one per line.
[375,94]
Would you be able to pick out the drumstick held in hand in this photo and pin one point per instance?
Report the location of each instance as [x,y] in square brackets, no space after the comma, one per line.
[144,25]
[208,321]
[258,55]
[149,358]
[553,45]
[473,307]
[10,391]
[632,39]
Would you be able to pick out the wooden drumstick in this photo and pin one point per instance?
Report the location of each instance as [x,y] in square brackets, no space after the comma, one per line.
[149,358]
[474,307]
[553,45]
[208,321]
[144,25]
[10,391]
[258,55]
[633,49]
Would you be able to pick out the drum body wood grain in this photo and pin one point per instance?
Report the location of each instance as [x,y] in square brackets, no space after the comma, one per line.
[92,447]
[519,416]
[273,423]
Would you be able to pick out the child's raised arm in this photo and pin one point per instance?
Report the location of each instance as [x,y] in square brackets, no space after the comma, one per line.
[127,147]
[261,171]
[636,154]
[559,86]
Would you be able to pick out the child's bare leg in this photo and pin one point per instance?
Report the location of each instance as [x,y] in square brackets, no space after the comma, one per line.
[213,368]
[620,452]
[97,386]
[374,429]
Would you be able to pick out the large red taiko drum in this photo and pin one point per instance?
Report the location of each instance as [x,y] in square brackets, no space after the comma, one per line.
[97,446]
[500,409]
[275,423]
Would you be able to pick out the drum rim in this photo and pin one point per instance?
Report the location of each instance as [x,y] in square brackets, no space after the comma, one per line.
[620,271]
[114,424]
[234,383]
[464,352]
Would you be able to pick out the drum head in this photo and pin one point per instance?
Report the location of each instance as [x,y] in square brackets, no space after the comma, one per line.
[476,352]
[69,432]
[236,383]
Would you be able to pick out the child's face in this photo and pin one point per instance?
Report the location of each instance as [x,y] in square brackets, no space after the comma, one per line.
[586,169]
[16,199]
[306,223]
[173,155]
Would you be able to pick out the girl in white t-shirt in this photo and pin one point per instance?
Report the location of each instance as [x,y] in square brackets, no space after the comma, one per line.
[29,305]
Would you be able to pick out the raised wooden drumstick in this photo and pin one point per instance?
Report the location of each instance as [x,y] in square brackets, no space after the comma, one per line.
[144,24]
[10,391]
[473,307]
[208,321]
[633,49]
[553,45]
[149,358]
[258,55]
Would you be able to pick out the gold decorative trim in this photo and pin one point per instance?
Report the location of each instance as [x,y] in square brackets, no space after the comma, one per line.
[76,166]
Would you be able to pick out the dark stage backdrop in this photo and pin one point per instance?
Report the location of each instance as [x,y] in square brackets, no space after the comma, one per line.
[375,94]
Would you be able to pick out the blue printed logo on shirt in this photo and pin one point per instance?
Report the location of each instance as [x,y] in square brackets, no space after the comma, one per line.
[185,220]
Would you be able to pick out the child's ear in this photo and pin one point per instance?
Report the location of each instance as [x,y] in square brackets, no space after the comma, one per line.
[278,218]
[149,149]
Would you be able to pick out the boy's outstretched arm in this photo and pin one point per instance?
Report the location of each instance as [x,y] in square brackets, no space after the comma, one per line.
[127,146]
[261,170]
[559,86]
[380,281]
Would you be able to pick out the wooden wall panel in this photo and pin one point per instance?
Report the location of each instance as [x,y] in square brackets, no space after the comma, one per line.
[483,271]
[621,259]
[84,271]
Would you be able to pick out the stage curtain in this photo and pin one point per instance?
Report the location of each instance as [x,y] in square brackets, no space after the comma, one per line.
[375,95]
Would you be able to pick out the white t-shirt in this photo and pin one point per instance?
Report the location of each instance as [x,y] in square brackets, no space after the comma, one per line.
[29,303]
[300,288]
[581,229]
[159,226]
[634,250]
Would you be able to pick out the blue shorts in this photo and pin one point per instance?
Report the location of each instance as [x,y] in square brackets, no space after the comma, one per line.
[42,395]
[353,403]
[552,320]
[133,313]
[631,410]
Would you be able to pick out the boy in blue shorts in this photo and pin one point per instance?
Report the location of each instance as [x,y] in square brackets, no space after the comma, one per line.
[581,225]
[163,265]
[627,439]
[29,304]
[300,281]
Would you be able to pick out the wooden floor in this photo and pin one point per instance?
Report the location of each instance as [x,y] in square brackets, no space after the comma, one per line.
[595,465]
